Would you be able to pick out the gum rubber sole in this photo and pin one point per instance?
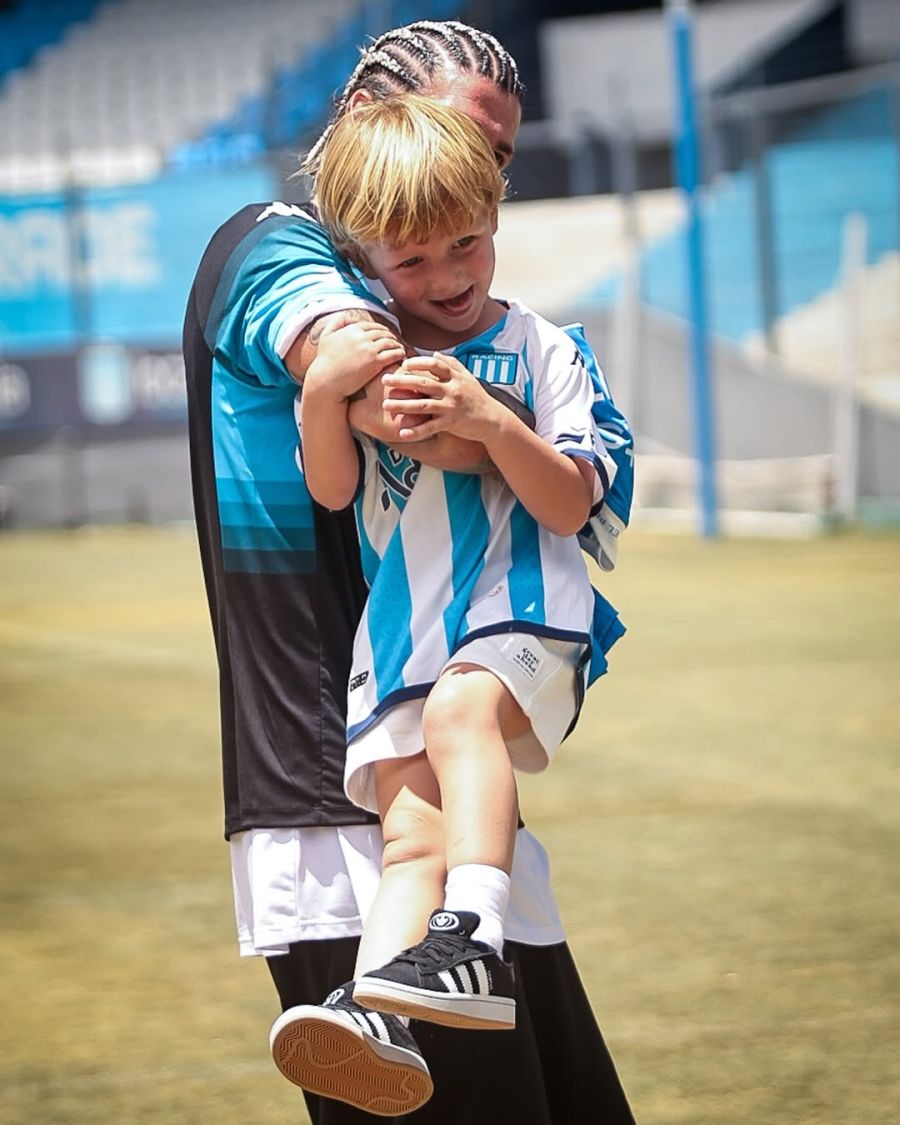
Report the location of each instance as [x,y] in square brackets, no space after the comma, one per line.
[325,1055]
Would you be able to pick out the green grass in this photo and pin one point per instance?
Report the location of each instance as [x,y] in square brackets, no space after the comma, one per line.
[723,827]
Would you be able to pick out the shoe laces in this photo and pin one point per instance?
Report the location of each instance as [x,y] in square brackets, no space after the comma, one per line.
[435,950]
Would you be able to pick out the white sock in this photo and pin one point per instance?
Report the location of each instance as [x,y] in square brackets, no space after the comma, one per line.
[483,890]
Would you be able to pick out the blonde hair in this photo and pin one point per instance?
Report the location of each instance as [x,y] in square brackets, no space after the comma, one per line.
[404,168]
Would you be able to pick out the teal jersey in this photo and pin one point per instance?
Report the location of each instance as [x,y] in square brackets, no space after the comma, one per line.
[282,575]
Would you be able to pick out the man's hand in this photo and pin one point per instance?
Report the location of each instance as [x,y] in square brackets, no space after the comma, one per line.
[449,453]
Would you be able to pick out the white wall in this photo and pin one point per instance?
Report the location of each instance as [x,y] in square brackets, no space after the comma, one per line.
[593,65]
[873,29]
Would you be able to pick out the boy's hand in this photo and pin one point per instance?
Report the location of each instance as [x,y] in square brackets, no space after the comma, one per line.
[351,355]
[448,395]
[443,451]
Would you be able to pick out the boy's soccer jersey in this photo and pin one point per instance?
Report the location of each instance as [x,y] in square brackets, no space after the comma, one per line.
[450,556]
[282,575]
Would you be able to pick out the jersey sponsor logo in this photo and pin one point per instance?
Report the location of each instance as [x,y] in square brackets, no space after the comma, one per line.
[494,367]
[358,681]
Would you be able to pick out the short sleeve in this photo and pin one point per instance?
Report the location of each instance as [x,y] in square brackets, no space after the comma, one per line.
[563,400]
[283,275]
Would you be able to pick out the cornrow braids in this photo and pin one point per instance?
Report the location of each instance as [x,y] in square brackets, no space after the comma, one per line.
[408,60]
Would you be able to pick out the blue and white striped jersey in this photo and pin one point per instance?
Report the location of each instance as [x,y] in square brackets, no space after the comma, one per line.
[450,557]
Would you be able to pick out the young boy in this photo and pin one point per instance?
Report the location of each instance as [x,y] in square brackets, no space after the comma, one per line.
[473,653]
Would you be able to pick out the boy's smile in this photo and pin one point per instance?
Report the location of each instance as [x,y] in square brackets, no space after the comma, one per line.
[441,286]
[459,305]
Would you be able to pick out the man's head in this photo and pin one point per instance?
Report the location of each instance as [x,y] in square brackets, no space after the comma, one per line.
[448,61]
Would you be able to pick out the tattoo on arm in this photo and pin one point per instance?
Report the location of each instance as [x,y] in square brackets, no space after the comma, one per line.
[318,326]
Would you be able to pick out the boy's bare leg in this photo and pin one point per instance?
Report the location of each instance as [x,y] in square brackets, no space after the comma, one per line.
[413,866]
[457,974]
[468,717]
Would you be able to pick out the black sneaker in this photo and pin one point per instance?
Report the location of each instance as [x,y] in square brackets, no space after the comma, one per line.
[342,1051]
[447,978]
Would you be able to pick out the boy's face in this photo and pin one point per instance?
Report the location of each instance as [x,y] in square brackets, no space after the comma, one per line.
[441,285]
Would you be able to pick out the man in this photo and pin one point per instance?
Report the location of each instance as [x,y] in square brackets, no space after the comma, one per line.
[285,593]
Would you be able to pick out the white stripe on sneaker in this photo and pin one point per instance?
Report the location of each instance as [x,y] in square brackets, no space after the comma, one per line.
[481,977]
[361,1019]
[467,980]
[379,1027]
[449,980]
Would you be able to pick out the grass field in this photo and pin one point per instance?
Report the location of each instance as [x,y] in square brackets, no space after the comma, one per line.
[723,827]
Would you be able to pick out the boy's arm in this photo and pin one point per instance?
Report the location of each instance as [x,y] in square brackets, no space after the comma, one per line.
[442,451]
[347,356]
[555,489]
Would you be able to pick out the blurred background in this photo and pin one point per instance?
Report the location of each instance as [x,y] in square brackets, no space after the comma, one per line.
[130,128]
[714,191]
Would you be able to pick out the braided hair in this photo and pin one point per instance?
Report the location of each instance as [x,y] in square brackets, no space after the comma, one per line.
[410,59]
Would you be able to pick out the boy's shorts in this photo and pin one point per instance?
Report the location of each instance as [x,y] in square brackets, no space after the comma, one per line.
[540,674]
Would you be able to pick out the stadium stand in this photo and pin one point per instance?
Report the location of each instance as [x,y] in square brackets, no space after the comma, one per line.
[117,91]
[812,193]
[30,25]
[122,89]
[296,98]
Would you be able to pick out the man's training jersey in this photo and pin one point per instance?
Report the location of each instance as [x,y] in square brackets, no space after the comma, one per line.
[450,557]
[282,576]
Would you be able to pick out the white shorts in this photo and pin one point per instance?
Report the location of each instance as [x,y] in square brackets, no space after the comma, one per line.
[540,674]
[302,884]
[311,884]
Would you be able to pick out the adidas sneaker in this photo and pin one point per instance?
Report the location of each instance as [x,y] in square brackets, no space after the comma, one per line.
[447,978]
[340,1050]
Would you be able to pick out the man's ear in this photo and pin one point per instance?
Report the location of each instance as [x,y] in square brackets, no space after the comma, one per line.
[360,97]
[494,221]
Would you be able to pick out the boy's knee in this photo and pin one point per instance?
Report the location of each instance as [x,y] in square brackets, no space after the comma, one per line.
[412,837]
[452,704]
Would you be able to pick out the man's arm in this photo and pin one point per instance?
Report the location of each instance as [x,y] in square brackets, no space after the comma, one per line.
[443,451]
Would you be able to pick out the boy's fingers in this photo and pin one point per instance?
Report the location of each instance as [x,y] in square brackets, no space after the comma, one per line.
[432,364]
[402,380]
[401,405]
[417,433]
